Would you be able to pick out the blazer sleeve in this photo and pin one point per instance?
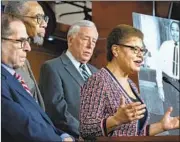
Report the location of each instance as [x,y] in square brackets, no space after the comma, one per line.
[51,87]
[20,124]
[92,106]
[145,131]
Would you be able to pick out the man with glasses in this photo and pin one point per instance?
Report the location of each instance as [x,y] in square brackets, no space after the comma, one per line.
[22,118]
[32,14]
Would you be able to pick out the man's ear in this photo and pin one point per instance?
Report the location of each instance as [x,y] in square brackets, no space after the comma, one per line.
[31,29]
[69,39]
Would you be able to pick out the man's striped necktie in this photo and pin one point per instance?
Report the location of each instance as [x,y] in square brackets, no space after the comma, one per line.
[19,78]
[84,72]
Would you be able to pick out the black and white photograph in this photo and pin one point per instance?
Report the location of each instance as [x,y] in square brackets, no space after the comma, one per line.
[159,75]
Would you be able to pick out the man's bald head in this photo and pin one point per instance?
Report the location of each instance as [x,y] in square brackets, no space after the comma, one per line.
[17,7]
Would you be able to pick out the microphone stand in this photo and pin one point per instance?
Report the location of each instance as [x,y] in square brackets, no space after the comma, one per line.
[165,79]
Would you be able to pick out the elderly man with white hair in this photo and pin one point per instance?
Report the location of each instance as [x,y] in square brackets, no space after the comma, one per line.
[61,78]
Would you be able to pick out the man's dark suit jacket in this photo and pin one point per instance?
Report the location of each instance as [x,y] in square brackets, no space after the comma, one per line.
[22,119]
[60,84]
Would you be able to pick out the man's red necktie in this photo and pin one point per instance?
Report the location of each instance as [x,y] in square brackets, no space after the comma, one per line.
[19,78]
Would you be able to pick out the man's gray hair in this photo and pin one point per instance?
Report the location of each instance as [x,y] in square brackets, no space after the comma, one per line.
[6,20]
[76,26]
[20,9]
[16,8]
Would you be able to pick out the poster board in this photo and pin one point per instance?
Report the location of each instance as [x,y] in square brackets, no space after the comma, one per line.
[161,38]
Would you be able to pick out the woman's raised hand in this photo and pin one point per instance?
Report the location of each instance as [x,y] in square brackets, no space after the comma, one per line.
[168,122]
[129,112]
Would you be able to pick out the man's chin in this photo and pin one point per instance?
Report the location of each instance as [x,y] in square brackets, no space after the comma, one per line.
[42,35]
[16,66]
[38,40]
[177,40]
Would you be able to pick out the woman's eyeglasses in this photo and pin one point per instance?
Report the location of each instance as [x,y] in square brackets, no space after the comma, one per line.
[136,49]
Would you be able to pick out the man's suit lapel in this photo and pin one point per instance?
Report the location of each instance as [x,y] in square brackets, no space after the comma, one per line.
[39,97]
[71,69]
[93,70]
[16,85]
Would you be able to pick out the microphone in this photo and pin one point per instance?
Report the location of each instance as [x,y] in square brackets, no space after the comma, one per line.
[165,79]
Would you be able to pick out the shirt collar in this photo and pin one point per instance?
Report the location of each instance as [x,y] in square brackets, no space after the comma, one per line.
[73,60]
[8,68]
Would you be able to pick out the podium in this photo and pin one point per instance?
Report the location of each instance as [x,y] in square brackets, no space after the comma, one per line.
[139,139]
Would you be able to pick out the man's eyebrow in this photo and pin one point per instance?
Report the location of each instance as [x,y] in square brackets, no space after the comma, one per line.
[88,36]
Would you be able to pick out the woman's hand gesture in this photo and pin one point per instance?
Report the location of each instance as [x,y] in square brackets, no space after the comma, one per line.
[168,122]
[129,112]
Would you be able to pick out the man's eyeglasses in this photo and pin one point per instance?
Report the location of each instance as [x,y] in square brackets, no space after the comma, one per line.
[23,41]
[39,18]
[136,49]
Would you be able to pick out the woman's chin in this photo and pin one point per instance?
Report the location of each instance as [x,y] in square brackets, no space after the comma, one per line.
[135,70]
